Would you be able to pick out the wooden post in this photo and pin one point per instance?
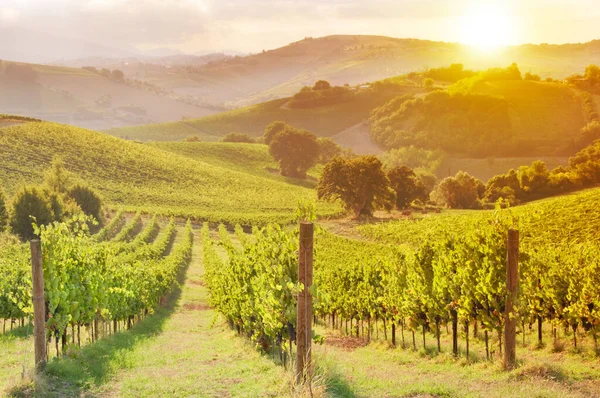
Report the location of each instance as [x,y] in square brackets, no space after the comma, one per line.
[305,276]
[512,283]
[39,305]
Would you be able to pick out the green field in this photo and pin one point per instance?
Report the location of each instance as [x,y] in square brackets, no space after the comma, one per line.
[142,177]
[322,121]
[571,218]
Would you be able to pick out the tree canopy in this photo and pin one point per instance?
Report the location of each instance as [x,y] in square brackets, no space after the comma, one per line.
[360,183]
[296,151]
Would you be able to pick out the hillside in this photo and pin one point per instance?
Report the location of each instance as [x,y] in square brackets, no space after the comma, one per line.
[85,98]
[502,118]
[543,220]
[354,59]
[142,177]
[327,120]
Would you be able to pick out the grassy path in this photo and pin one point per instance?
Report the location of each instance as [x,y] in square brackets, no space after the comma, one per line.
[195,354]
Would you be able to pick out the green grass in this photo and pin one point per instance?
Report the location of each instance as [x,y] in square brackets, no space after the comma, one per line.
[572,217]
[145,178]
[184,349]
[247,158]
[322,121]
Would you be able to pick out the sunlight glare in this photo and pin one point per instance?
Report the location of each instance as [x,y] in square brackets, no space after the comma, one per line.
[487,27]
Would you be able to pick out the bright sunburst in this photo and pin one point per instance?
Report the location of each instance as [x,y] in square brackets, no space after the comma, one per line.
[487,26]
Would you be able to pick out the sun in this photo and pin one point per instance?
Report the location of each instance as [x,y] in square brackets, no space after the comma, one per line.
[487,27]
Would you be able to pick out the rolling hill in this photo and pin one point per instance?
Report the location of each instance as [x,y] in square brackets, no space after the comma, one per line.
[87,99]
[144,177]
[354,59]
[327,120]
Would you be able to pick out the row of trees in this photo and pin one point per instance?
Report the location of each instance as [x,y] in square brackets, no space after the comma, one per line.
[57,199]
[363,185]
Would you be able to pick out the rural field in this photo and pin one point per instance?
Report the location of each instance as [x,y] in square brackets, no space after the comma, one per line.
[200,199]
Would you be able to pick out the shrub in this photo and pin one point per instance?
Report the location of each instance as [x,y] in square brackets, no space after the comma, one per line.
[238,137]
[87,200]
[33,205]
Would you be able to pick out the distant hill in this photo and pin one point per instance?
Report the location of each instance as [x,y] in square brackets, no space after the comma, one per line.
[86,98]
[327,120]
[356,59]
[180,181]
[24,45]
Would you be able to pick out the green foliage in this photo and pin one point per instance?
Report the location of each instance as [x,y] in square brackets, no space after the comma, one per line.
[57,178]
[136,177]
[87,199]
[273,129]
[32,205]
[322,94]
[413,157]
[459,192]
[360,183]
[407,186]
[452,73]
[257,286]
[450,122]
[3,212]
[328,149]
[295,150]
[238,137]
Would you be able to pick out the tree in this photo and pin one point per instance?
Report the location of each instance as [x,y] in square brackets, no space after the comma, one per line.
[117,75]
[238,137]
[30,205]
[87,200]
[532,77]
[428,82]
[360,183]
[407,186]
[458,192]
[328,149]
[296,151]
[273,129]
[3,212]
[57,178]
[321,85]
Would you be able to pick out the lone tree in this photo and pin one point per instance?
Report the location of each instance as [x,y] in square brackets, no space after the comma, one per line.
[407,186]
[272,129]
[296,151]
[322,85]
[360,183]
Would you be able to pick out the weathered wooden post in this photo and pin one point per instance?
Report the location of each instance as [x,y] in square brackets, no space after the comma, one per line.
[512,283]
[304,327]
[39,305]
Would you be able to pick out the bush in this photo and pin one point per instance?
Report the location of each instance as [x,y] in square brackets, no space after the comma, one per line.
[238,137]
[458,192]
[29,204]
[87,200]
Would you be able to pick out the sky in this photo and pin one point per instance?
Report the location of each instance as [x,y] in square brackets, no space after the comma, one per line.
[254,25]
